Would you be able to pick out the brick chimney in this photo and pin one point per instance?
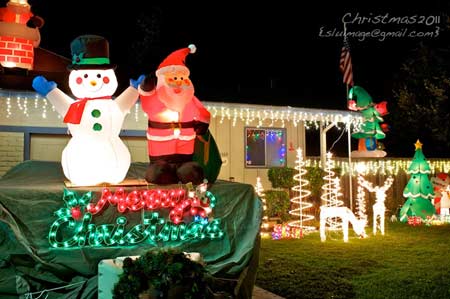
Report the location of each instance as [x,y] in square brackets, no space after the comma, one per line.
[17,39]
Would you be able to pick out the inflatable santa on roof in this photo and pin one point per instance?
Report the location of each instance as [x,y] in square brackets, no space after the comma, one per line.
[175,118]
[19,34]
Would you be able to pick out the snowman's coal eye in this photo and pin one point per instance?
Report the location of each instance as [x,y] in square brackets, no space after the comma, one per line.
[85,76]
[99,76]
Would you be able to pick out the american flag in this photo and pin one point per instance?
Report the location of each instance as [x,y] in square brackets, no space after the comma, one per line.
[345,65]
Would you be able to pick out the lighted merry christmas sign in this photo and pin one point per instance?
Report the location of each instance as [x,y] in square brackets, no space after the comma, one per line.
[75,228]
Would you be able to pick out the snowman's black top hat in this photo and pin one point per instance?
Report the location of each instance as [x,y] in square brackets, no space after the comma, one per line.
[90,52]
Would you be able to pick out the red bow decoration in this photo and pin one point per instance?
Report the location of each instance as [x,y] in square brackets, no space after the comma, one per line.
[381,108]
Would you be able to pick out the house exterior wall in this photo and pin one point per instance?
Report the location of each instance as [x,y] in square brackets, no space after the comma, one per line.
[40,134]
[11,150]
[229,136]
[30,128]
[230,140]
[47,147]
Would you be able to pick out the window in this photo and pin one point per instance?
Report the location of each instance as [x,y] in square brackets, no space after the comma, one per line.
[265,147]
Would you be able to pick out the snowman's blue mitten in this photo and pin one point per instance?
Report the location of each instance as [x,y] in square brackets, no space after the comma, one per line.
[135,83]
[42,86]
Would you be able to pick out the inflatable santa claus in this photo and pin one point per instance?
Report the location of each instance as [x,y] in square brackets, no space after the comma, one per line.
[175,118]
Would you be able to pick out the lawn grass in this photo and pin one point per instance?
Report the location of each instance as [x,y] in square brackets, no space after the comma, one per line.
[407,262]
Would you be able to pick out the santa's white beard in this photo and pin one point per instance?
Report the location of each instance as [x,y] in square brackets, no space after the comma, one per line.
[175,101]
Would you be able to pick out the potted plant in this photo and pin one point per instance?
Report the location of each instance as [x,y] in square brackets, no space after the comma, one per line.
[161,273]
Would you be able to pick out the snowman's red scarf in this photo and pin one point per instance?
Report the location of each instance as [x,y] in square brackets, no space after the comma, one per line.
[76,109]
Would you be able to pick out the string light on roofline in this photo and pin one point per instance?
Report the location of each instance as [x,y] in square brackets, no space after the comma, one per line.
[44,108]
[136,112]
[249,114]
[385,166]
[8,107]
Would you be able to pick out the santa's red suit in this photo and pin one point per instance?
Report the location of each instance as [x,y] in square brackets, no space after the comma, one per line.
[175,117]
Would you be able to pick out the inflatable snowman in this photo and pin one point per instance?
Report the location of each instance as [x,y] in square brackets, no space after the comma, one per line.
[95,154]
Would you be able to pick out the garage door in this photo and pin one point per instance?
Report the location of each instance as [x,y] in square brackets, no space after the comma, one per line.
[48,147]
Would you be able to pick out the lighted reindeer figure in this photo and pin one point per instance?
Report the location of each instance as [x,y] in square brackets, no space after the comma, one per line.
[346,215]
[379,208]
[333,210]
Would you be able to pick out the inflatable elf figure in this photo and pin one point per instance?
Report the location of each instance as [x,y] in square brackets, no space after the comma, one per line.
[371,131]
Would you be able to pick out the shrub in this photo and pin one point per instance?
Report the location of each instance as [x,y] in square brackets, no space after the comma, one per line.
[278,203]
[159,273]
[281,177]
[314,175]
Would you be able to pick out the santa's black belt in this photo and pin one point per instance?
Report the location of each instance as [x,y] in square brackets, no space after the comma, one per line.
[173,125]
[174,158]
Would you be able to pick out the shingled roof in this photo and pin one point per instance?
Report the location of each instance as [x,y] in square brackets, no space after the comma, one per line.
[46,63]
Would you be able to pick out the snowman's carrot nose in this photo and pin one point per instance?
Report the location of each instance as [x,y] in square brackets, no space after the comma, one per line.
[93,83]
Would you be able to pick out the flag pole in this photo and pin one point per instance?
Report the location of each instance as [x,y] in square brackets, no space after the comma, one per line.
[349,139]
[345,44]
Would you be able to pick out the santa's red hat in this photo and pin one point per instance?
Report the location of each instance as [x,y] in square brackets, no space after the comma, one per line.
[176,60]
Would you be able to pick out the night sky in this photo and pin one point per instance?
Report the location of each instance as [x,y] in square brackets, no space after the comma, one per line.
[249,52]
[253,53]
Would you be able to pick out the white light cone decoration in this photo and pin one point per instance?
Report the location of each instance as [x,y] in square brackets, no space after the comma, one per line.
[259,190]
[360,196]
[379,208]
[331,192]
[299,203]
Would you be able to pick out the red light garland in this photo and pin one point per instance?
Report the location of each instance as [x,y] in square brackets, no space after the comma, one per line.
[177,200]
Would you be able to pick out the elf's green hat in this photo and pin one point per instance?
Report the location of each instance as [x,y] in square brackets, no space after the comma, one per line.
[90,52]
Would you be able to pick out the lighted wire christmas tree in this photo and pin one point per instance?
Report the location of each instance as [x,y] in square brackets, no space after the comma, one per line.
[331,192]
[259,190]
[361,195]
[419,189]
[299,203]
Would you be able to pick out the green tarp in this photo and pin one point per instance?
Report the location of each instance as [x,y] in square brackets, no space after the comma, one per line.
[32,192]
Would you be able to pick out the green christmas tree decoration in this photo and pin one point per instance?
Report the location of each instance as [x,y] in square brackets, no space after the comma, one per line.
[419,189]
